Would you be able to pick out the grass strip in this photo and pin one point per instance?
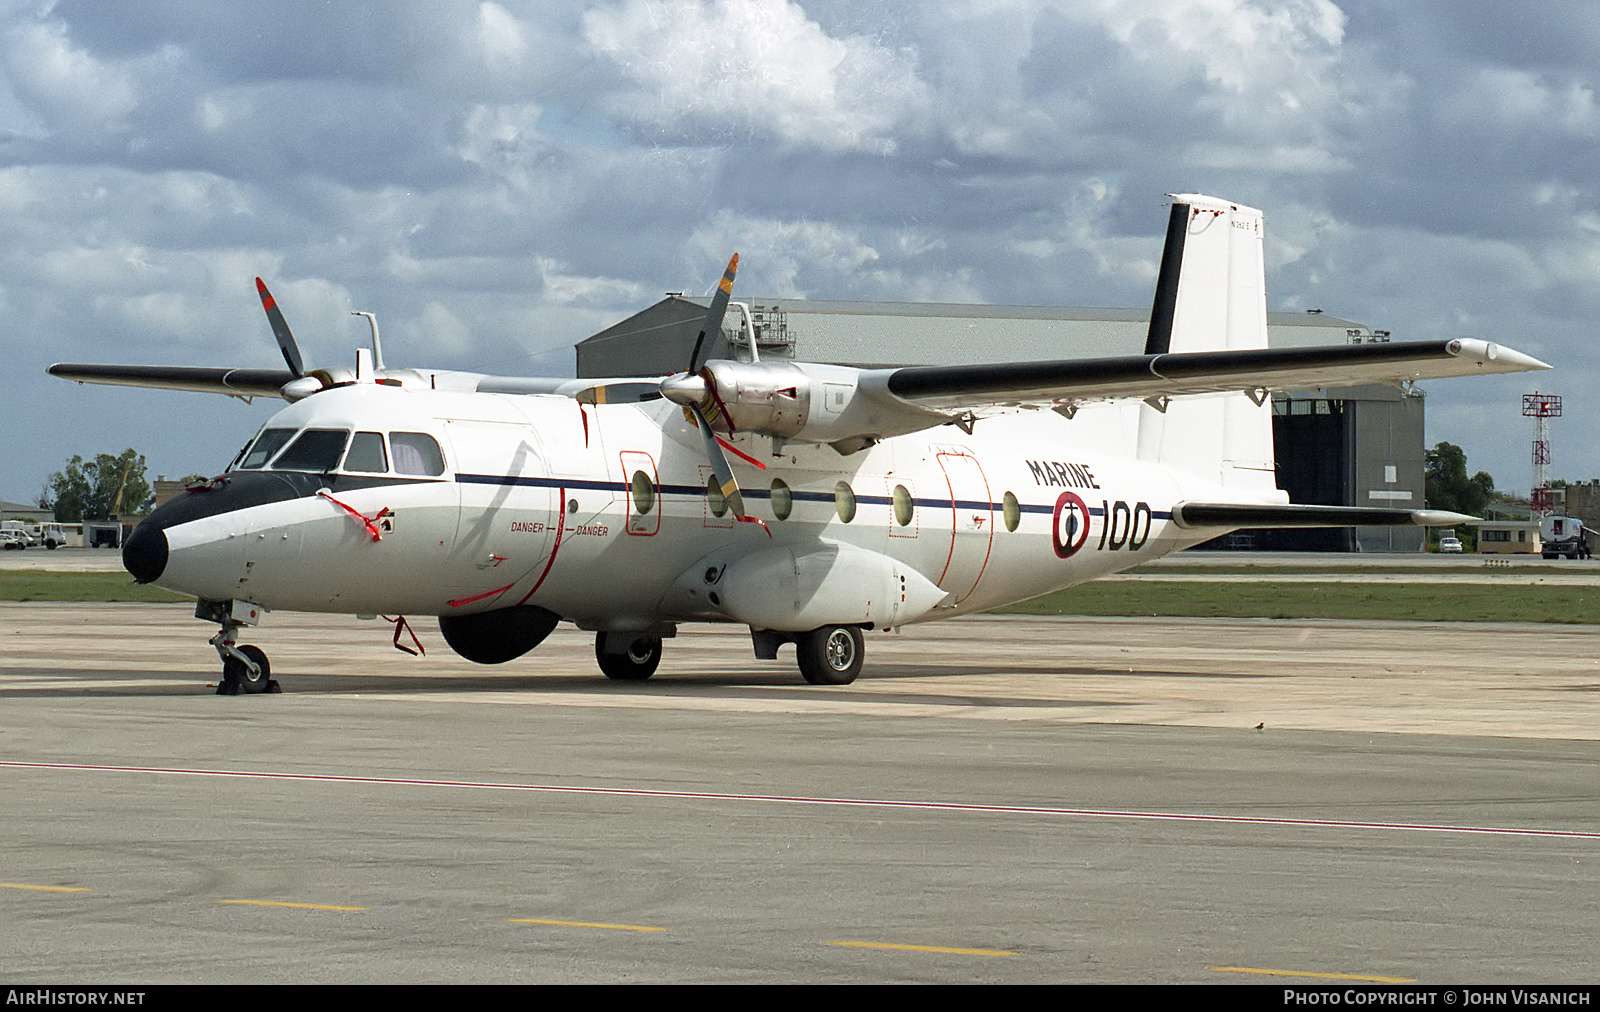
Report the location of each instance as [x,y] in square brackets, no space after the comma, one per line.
[49,585]
[1418,602]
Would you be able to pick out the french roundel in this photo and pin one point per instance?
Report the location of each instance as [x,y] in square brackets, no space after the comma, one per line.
[1069,528]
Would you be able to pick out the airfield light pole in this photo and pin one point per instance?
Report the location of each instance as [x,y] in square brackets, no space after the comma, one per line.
[1541,408]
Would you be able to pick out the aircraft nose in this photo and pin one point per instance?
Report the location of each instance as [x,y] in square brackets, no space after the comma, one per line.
[144,554]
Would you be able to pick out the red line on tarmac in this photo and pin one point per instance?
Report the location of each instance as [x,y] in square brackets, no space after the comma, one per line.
[781,799]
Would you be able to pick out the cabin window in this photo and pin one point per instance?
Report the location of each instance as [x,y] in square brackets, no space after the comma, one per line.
[266,444]
[904,507]
[782,499]
[313,450]
[1011,510]
[644,493]
[717,501]
[416,453]
[844,500]
[366,454]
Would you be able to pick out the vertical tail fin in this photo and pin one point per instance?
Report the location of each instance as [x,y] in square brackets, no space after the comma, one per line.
[1211,295]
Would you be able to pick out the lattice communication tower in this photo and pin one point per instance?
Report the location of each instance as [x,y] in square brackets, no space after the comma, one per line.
[1541,408]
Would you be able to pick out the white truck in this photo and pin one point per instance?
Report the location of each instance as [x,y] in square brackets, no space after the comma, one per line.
[34,535]
[49,535]
[1561,536]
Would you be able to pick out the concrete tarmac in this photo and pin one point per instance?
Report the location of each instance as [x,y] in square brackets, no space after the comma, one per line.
[997,799]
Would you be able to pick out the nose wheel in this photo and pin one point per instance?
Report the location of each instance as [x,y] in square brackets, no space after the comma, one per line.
[245,670]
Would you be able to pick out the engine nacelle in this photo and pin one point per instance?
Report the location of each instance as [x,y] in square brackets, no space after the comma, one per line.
[786,400]
[494,637]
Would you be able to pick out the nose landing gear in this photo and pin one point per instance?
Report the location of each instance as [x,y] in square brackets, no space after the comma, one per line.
[244,668]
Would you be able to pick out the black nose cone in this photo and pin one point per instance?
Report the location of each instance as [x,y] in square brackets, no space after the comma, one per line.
[144,554]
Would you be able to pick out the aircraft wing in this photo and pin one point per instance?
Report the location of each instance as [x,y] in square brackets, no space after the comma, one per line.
[1200,372]
[199,379]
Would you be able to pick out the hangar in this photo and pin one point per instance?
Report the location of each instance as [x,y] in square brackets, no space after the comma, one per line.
[1354,446]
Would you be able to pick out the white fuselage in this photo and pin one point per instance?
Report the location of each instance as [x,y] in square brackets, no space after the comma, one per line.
[600,514]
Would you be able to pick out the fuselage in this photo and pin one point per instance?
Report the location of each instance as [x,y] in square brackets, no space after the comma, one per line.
[370,499]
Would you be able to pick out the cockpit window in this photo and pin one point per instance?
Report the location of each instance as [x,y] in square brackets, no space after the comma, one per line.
[315,450]
[416,453]
[266,444]
[366,454]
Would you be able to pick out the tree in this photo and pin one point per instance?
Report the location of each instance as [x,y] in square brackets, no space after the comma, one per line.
[98,489]
[1446,485]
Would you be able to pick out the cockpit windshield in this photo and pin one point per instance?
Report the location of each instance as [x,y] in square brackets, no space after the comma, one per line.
[315,450]
[266,444]
[409,453]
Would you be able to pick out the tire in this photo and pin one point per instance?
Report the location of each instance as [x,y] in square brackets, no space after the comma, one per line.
[635,664]
[831,655]
[238,674]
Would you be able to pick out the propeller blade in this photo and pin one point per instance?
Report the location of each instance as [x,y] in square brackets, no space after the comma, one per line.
[280,330]
[719,464]
[713,324]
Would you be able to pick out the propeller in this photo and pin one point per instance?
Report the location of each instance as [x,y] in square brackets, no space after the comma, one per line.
[280,330]
[723,474]
[696,392]
[304,383]
[719,309]
[720,469]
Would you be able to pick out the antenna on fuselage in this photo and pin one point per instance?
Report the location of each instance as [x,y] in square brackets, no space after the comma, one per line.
[377,349]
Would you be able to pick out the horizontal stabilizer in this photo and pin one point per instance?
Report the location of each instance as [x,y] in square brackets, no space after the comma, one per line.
[199,379]
[1235,515]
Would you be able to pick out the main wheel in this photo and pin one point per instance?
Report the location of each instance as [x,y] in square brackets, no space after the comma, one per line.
[634,664]
[831,655]
[237,674]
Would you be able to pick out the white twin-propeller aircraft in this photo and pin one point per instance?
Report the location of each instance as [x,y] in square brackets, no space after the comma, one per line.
[808,502]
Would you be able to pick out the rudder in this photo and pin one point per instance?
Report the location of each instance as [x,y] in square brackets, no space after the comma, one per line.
[1211,295]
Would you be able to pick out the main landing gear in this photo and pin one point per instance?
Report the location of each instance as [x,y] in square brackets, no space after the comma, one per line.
[244,668]
[627,657]
[830,655]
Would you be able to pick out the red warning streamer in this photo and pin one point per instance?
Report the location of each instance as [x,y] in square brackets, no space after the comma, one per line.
[371,523]
[399,624]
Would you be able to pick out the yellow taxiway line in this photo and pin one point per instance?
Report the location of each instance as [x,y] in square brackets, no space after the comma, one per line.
[947,950]
[584,924]
[292,906]
[1310,973]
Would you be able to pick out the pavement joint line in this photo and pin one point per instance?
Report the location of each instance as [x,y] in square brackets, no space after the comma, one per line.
[1314,974]
[943,949]
[293,906]
[45,889]
[584,924]
[779,799]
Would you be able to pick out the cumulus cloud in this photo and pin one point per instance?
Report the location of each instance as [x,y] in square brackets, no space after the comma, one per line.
[738,69]
[64,82]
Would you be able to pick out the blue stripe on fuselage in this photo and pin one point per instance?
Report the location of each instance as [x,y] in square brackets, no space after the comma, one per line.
[755,493]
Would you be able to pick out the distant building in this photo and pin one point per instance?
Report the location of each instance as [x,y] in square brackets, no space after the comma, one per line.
[23,511]
[1507,537]
[1356,446]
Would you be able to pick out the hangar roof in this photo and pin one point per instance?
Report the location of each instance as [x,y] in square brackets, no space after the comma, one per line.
[658,340]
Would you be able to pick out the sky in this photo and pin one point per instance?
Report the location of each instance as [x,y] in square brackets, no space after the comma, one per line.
[499,180]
